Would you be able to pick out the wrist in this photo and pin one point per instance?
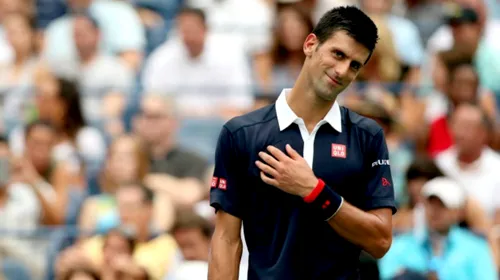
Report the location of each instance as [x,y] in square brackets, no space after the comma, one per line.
[309,188]
[325,201]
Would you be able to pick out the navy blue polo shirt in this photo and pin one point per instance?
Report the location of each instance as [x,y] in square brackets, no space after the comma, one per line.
[286,239]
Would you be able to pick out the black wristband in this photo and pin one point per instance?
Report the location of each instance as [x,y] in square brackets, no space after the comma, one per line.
[326,202]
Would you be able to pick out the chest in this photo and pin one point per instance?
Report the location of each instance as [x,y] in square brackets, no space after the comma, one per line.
[335,157]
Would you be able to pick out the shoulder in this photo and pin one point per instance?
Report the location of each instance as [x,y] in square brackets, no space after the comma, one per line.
[468,239]
[363,125]
[251,120]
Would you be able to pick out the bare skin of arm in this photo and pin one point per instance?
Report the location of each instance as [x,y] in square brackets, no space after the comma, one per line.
[226,247]
[370,230]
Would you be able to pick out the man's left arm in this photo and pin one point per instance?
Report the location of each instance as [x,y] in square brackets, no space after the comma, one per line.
[370,227]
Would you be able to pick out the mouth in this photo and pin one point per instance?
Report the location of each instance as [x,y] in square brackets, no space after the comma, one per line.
[333,81]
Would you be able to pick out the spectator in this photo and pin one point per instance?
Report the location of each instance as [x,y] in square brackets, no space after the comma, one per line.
[49,180]
[469,161]
[201,82]
[174,170]
[58,102]
[193,234]
[463,87]
[17,76]
[96,73]
[122,32]
[117,250]
[127,162]
[247,25]
[411,214]
[406,38]
[454,253]
[282,65]
[471,41]
[153,252]
[20,213]
[7,7]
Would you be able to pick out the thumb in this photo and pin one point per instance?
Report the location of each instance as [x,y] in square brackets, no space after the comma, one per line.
[293,154]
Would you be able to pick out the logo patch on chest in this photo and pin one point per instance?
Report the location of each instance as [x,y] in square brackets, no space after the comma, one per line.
[339,150]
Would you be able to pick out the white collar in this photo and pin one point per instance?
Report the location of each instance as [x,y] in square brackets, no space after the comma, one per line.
[286,116]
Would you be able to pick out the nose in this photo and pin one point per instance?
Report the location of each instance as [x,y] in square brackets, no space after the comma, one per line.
[342,68]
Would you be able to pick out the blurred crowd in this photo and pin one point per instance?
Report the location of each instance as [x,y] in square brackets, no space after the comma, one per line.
[110,111]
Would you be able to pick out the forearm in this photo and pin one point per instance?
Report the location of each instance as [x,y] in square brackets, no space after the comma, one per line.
[363,229]
[224,259]
[52,213]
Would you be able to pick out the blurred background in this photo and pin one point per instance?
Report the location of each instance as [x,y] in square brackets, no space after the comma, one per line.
[110,111]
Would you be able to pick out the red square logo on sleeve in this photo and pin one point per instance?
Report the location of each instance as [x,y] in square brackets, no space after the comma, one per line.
[222,184]
[214,182]
[339,151]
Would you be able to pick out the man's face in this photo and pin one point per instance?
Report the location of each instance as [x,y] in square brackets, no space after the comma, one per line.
[439,218]
[193,32]
[154,121]
[466,33]
[193,244]
[39,143]
[467,129]
[133,210]
[86,35]
[333,65]
[464,85]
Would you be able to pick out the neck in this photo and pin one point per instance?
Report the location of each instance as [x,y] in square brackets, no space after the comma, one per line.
[161,149]
[305,104]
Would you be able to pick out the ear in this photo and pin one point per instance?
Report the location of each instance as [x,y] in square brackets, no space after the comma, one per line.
[310,44]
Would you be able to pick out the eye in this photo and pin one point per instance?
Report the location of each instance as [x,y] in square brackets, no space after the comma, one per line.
[338,54]
[355,66]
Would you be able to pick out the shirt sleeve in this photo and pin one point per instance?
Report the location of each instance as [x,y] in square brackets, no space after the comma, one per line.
[380,188]
[226,187]
[483,264]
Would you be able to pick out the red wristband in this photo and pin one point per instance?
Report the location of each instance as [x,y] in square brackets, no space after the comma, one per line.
[315,192]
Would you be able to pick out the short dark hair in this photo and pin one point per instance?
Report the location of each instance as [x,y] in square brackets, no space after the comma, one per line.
[188,219]
[423,167]
[193,11]
[38,123]
[351,20]
[148,195]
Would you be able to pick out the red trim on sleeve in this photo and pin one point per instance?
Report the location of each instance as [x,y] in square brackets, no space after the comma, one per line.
[315,192]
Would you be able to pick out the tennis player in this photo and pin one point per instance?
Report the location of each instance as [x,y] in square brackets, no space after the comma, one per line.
[309,180]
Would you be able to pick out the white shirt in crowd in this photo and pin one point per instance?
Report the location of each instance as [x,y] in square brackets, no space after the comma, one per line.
[221,75]
[480,179]
[20,215]
[246,23]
